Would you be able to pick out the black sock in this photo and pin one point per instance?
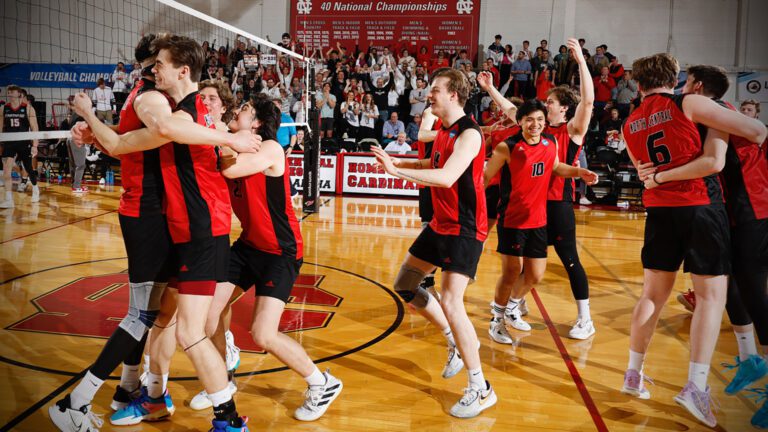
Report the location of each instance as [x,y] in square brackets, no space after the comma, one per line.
[227,411]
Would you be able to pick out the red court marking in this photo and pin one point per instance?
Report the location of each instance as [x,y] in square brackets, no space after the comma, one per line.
[58,226]
[588,402]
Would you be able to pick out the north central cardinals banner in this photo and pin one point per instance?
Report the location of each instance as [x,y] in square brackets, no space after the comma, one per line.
[436,24]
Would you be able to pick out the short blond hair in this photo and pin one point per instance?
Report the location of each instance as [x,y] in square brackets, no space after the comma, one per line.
[656,71]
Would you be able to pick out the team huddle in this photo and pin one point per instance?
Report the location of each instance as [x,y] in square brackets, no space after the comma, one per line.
[189,158]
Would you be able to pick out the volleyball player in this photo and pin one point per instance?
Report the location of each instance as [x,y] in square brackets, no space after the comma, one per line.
[527,160]
[18,117]
[199,217]
[687,221]
[454,238]
[745,179]
[427,133]
[147,243]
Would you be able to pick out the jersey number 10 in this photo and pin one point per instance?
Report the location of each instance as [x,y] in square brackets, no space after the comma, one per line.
[537,169]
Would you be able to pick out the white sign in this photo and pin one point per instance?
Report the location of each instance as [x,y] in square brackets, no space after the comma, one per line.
[327,172]
[753,85]
[360,175]
[268,59]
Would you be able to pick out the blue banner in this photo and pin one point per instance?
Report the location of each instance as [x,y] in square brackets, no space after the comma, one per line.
[55,75]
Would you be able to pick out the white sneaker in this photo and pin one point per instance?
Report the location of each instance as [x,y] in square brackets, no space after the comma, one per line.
[35,193]
[498,332]
[514,319]
[582,329]
[232,352]
[102,182]
[318,399]
[523,306]
[454,363]
[68,419]
[201,400]
[22,186]
[474,402]
[584,201]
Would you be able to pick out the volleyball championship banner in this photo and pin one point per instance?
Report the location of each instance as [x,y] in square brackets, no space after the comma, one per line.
[397,24]
[52,75]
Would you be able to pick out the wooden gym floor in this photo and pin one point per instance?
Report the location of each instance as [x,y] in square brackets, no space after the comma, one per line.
[62,267]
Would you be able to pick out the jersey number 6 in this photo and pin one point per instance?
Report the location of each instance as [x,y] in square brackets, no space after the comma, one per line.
[659,153]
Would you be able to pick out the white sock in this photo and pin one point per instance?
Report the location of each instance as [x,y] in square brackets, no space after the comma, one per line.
[583,307]
[146,363]
[746,342]
[449,336]
[316,378]
[476,378]
[8,196]
[85,391]
[156,384]
[129,380]
[636,361]
[513,304]
[497,310]
[220,397]
[698,373]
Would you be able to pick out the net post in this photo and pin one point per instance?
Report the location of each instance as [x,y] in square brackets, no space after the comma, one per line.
[311,202]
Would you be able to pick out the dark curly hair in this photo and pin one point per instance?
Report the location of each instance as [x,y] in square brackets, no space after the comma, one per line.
[225,94]
[530,106]
[268,116]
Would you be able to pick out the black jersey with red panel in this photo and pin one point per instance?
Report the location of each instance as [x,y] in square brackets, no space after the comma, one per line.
[460,209]
[16,119]
[744,177]
[525,181]
[498,136]
[561,188]
[263,205]
[658,131]
[141,177]
[197,198]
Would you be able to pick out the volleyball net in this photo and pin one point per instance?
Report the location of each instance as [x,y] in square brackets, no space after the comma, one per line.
[55,49]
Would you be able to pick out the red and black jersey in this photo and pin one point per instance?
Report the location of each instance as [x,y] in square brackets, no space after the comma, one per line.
[263,205]
[425,148]
[16,119]
[498,136]
[525,180]
[658,131]
[197,199]
[744,177]
[141,178]
[460,209]
[561,188]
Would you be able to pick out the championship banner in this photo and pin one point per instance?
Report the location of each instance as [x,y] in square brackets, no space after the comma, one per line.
[361,175]
[753,85]
[52,75]
[436,24]
[327,172]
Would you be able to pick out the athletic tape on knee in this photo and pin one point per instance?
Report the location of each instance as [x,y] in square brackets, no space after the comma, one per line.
[407,287]
[143,306]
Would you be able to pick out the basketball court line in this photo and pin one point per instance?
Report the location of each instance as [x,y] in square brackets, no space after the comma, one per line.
[58,226]
[589,403]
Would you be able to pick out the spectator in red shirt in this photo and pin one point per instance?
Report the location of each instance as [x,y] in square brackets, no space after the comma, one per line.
[423,56]
[543,84]
[604,84]
[491,115]
[438,62]
[615,69]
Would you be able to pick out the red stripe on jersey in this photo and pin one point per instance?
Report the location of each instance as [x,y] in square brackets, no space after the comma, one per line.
[197,200]
[745,179]
[460,209]
[263,205]
[658,131]
[141,177]
[498,136]
[525,182]
[561,188]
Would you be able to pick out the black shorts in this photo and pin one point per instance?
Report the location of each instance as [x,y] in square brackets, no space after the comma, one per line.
[149,248]
[526,242]
[492,195]
[561,222]
[326,124]
[201,263]
[750,245]
[696,235]
[425,204]
[450,253]
[273,275]
[13,148]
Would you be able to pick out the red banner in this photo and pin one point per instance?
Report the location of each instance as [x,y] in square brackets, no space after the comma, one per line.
[436,24]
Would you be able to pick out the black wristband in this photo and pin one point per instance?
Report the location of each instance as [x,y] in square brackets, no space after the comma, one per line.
[656,181]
